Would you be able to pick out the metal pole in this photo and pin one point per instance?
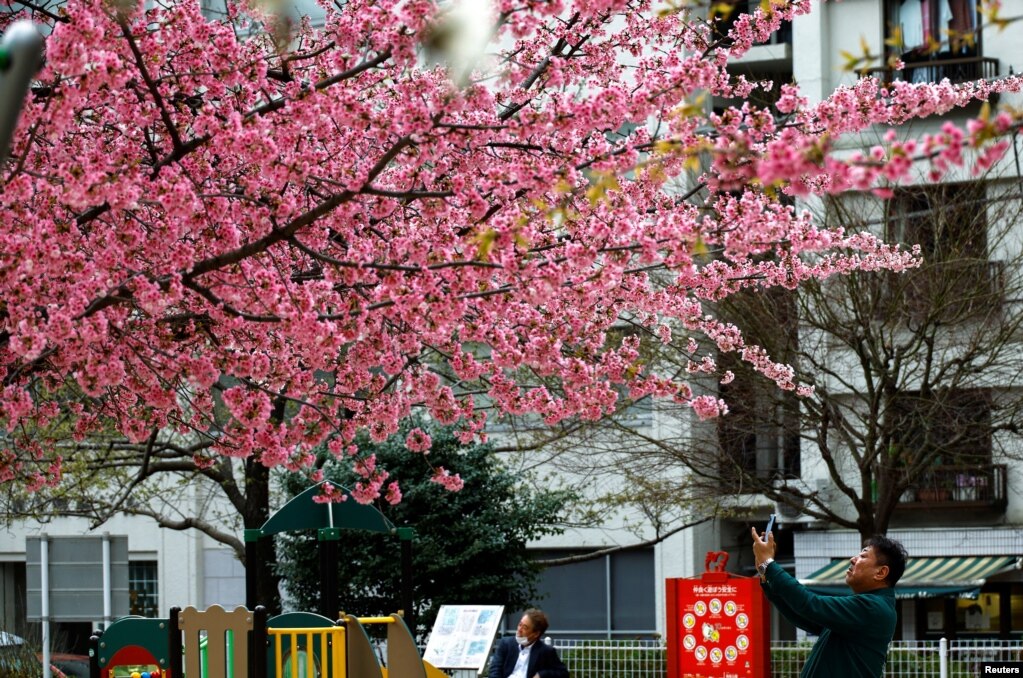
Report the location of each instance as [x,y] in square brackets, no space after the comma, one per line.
[328,538]
[175,661]
[251,585]
[943,657]
[94,652]
[44,585]
[607,594]
[106,582]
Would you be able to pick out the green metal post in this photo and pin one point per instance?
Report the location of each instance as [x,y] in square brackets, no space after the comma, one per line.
[328,543]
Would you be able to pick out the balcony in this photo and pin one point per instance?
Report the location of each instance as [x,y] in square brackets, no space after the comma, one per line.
[958,487]
[938,67]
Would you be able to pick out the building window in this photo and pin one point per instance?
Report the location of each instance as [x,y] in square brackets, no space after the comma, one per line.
[949,223]
[636,414]
[997,612]
[759,437]
[1016,608]
[144,588]
[950,427]
[979,616]
[939,26]
[937,39]
[725,14]
[620,598]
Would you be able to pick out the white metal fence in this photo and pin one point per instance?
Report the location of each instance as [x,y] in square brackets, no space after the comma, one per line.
[906,658]
[617,658]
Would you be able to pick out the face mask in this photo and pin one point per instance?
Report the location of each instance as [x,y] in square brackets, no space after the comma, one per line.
[522,640]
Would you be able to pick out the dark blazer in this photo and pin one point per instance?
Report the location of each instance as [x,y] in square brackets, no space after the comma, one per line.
[543,660]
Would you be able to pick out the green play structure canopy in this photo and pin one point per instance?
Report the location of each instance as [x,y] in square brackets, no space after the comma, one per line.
[304,513]
[308,511]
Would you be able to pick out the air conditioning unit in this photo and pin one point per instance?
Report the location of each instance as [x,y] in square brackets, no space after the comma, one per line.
[825,490]
[789,514]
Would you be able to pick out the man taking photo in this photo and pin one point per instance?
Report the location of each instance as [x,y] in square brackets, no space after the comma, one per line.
[854,630]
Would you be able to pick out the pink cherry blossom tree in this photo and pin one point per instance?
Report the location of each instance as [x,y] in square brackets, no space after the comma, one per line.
[241,239]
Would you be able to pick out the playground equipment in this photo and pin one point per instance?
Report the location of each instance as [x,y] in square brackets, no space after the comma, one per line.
[303,642]
[133,645]
[304,512]
[245,644]
[239,630]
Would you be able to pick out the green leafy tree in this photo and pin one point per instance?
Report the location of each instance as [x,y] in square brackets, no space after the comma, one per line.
[469,547]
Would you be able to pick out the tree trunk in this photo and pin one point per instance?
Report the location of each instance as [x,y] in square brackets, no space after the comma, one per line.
[257,512]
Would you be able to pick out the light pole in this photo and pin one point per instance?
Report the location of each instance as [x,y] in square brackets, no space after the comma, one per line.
[21,51]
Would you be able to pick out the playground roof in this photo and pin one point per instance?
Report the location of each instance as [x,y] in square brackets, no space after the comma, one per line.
[305,513]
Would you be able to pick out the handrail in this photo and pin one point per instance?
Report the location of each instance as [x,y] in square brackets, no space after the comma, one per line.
[956,69]
[958,486]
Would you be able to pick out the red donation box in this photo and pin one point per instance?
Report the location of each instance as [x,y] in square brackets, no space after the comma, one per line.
[719,625]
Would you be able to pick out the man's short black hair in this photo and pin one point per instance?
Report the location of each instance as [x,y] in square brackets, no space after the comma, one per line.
[891,553]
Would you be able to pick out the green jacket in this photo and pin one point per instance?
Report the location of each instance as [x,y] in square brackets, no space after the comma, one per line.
[854,630]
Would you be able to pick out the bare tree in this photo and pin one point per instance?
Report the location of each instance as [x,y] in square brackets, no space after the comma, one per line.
[916,375]
[168,480]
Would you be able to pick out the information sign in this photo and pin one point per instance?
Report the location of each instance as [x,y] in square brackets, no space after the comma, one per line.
[462,636]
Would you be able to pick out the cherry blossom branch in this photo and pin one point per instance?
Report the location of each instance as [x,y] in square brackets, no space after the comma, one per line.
[36,7]
[151,85]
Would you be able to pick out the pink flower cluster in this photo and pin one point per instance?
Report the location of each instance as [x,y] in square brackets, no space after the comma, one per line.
[418,441]
[449,481]
[329,494]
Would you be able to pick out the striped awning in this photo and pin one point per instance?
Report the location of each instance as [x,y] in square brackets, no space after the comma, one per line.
[924,577]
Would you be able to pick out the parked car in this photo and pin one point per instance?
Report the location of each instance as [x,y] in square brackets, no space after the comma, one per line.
[18,660]
[16,657]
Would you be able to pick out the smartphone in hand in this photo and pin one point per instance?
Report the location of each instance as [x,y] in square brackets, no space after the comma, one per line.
[770,525]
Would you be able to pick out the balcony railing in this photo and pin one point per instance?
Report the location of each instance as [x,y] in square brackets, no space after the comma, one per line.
[958,487]
[937,68]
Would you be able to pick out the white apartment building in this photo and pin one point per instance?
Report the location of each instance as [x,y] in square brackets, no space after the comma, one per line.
[166,568]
